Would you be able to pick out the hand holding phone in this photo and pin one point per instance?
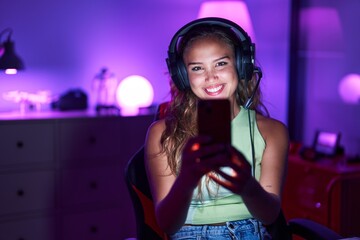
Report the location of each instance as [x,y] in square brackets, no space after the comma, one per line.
[214,120]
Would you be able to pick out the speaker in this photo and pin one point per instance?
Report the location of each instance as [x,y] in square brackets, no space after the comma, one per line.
[244,51]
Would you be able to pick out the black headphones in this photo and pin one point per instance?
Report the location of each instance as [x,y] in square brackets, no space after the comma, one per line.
[244,51]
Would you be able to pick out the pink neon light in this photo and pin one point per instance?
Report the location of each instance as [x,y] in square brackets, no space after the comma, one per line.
[26,98]
[22,96]
[235,11]
[320,29]
[349,89]
[134,92]
[10,71]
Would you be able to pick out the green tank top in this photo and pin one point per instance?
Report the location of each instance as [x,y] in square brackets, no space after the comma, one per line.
[218,204]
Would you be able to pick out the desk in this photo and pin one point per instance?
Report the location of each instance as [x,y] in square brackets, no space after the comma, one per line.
[326,191]
[62,175]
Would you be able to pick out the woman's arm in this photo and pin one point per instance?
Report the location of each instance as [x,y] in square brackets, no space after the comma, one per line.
[171,194]
[263,198]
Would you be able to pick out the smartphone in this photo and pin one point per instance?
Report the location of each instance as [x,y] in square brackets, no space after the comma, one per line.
[214,119]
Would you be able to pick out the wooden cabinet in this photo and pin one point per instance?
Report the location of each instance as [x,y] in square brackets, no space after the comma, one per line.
[326,191]
[62,176]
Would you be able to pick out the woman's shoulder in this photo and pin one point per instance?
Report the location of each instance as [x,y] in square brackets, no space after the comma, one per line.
[153,136]
[268,121]
[157,127]
[270,127]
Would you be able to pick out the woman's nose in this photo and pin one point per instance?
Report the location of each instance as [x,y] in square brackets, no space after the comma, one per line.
[211,75]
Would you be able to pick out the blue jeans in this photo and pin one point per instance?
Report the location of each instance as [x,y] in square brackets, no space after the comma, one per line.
[246,229]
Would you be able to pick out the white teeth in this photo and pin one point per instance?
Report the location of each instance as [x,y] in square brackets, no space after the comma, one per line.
[212,90]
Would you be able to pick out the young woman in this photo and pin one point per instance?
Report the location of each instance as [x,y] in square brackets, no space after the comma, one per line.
[207,190]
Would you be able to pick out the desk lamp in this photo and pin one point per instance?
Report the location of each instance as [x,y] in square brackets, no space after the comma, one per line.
[9,61]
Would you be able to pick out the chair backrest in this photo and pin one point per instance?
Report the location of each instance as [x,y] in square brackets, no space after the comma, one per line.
[140,194]
[138,186]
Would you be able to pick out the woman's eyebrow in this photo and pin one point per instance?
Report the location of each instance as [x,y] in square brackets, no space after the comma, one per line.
[218,59]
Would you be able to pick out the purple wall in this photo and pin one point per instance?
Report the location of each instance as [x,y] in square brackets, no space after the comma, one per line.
[328,52]
[65,43]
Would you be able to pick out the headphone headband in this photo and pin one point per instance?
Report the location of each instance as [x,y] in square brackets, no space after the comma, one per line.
[207,21]
[244,53]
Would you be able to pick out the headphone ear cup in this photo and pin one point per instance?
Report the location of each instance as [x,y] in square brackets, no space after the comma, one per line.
[244,62]
[239,63]
[183,75]
[178,73]
[249,71]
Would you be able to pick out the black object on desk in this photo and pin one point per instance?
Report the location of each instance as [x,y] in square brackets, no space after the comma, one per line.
[74,99]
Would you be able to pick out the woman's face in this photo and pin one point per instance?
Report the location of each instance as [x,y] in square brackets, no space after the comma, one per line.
[210,64]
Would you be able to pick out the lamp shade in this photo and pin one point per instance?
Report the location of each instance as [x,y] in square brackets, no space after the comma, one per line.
[349,88]
[236,11]
[134,92]
[9,59]
[321,30]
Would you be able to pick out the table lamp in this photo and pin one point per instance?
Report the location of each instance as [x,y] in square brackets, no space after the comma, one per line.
[9,61]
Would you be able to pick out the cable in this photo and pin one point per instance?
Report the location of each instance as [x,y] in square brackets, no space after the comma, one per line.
[251,133]
[247,106]
[250,99]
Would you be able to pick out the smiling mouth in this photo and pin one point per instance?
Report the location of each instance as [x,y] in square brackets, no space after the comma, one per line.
[214,90]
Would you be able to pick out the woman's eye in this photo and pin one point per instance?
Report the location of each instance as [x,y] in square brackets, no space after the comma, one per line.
[196,69]
[221,63]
